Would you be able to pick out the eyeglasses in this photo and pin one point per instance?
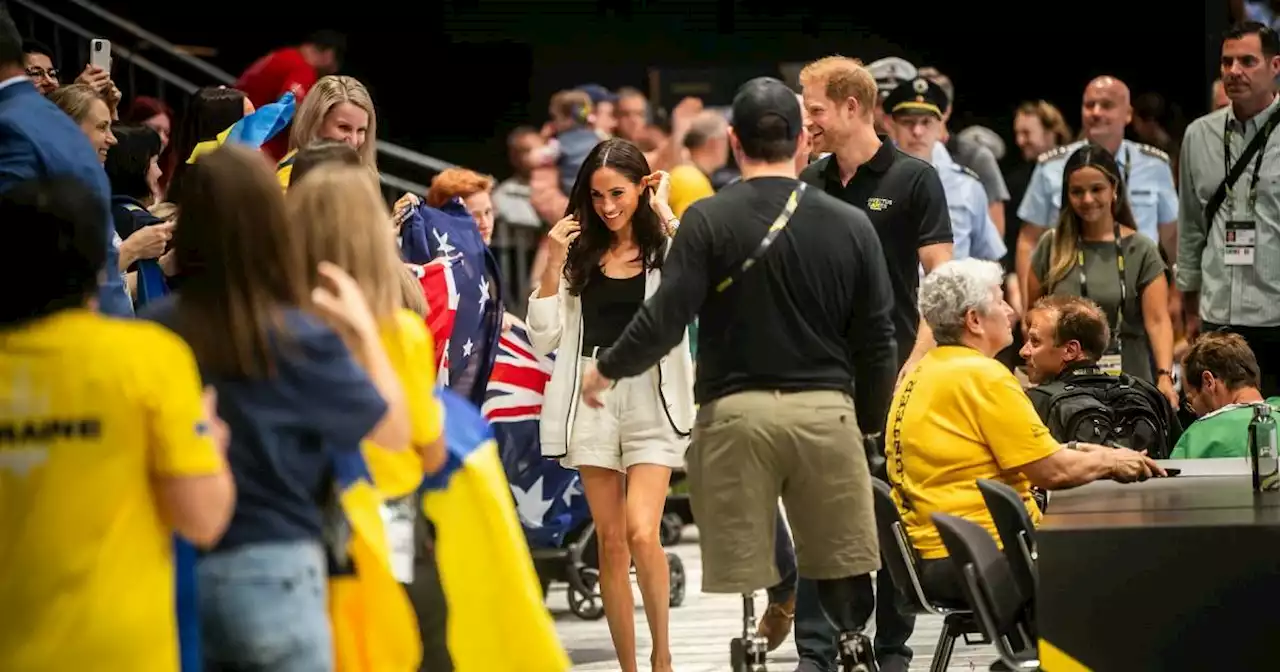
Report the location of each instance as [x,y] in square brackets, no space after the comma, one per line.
[37,73]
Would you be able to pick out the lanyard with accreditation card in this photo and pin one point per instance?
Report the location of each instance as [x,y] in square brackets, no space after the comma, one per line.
[1240,234]
[1111,362]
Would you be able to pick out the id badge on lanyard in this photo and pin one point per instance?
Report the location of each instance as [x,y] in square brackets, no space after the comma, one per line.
[1240,233]
[1110,362]
[1240,238]
[397,521]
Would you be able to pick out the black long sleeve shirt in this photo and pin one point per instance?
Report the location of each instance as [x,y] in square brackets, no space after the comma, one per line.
[814,313]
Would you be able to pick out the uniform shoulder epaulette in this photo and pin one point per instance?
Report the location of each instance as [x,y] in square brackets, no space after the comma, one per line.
[1055,153]
[967,171]
[1154,151]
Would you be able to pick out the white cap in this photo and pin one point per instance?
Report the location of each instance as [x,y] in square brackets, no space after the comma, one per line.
[890,71]
[986,137]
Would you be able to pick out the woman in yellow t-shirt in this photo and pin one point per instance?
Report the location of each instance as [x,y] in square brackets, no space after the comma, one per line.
[106,451]
[960,415]
[347,224]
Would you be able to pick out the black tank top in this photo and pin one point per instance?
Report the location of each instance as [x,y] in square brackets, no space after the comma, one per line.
[608,304]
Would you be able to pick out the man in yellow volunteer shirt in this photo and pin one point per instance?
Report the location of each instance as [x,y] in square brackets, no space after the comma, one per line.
[708,145]
[106,450]
[961,415]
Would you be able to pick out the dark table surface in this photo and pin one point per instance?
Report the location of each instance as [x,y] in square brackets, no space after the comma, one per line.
[1128,571]
[1217,484]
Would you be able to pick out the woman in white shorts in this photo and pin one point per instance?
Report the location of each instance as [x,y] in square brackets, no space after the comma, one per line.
[605,260]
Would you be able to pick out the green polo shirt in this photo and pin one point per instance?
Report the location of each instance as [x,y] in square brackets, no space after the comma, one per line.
[1222,433]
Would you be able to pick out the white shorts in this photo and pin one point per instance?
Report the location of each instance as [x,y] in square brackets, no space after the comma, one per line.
[631,428]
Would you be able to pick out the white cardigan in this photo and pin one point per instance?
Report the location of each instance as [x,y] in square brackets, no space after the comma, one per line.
[556,320]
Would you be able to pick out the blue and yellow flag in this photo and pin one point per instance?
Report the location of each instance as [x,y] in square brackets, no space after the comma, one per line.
[497,620]
[374,625]
[254,130]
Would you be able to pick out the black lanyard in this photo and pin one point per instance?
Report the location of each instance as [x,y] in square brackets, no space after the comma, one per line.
[1128,163]
[1124,290]
[1257,162]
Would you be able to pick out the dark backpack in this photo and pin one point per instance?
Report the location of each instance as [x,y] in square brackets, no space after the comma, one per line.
[1090,406]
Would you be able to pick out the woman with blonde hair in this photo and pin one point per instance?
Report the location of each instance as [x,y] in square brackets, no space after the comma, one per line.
[302,379]
[337,108]
[345,222]
[89,110]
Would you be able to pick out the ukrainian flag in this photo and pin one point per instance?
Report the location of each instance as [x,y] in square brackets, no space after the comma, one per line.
[497,619]
[252,131]
[374,626]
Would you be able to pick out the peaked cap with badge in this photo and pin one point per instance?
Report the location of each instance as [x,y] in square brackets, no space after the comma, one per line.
[918,95]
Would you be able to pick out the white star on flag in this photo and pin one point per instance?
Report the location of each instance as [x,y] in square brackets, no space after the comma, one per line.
[569,492]
[530,505]
[484,291]
[442,241]
[466,348]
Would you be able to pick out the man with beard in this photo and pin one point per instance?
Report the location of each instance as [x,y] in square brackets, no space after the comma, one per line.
[904,198]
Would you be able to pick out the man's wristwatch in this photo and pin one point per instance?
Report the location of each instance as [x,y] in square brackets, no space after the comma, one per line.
[1164,372]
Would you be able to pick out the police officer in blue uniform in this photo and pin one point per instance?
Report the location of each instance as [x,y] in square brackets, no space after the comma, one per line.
[913,112]
[1147,172]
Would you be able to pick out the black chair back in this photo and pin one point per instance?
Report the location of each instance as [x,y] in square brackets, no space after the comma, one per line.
[896,552]
[1017,532]
[989,585]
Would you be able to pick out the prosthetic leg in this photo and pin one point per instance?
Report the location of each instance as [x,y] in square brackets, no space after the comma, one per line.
[849,602]
[747,653]
[856,654]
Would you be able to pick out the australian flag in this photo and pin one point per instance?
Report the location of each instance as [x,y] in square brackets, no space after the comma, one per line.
[549,498]
[459,277]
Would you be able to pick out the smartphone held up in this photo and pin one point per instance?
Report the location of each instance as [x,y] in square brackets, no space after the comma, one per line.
[100,53]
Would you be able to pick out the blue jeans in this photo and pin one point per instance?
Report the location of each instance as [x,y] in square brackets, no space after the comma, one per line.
[266,607]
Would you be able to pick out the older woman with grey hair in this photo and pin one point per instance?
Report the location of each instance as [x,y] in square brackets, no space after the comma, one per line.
[960,415]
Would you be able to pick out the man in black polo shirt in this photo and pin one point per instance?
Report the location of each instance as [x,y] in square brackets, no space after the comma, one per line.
[779,344]
[903,196]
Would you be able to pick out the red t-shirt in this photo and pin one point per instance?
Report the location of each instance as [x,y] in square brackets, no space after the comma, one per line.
[268,78]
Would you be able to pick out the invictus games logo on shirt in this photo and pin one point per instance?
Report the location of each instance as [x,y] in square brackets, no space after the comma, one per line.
[879,204]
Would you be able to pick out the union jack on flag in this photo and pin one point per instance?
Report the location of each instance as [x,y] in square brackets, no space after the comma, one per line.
[548,497]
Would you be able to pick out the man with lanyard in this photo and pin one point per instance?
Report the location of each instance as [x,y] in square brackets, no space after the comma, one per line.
[904,199]
[1230,220]
[1147,173]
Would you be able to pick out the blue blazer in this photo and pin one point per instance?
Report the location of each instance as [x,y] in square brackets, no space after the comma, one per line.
[38,140]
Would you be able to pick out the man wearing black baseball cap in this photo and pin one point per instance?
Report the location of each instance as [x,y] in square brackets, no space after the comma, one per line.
[794,302]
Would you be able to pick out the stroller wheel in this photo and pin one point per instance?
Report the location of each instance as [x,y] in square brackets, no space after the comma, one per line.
[671,529]
[589,607]
[678,580]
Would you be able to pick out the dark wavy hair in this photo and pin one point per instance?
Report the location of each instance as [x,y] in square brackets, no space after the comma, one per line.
[595,238]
